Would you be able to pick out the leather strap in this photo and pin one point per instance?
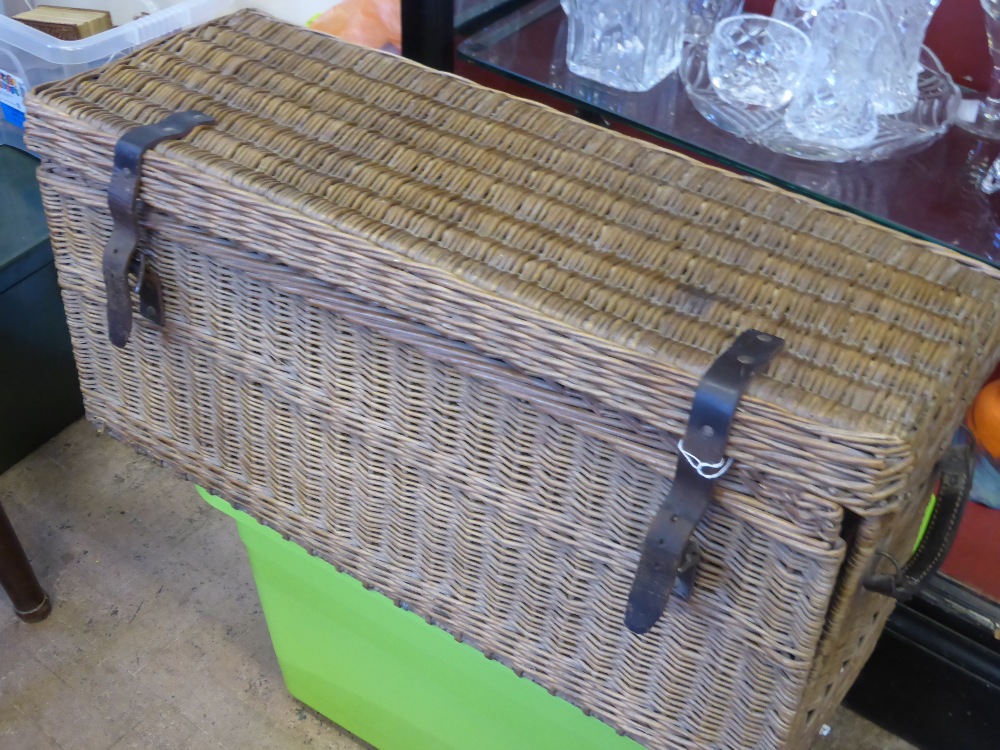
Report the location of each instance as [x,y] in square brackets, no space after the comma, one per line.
[669,555]
[123,200]
[906,581]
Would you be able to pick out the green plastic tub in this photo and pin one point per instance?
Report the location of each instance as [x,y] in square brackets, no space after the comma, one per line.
[387,676]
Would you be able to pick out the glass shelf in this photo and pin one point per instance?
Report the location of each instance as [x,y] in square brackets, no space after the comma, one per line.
[933,194]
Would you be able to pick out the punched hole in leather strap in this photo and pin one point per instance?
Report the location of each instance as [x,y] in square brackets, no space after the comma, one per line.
[670,556]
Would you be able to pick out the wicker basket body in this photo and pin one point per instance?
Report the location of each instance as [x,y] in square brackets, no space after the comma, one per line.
[447,340]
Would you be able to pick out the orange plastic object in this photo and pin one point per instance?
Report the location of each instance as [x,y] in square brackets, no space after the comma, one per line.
[983,418]
[373,23]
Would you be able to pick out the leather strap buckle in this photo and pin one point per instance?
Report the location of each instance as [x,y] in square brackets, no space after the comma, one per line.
[670,557]
[120,260]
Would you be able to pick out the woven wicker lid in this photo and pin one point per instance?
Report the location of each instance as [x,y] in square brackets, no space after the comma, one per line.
[609,265]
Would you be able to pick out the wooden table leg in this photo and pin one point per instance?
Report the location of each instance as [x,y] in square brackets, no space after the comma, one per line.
[18,579]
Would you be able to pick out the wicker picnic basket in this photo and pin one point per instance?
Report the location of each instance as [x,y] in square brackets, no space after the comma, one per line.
[450,340]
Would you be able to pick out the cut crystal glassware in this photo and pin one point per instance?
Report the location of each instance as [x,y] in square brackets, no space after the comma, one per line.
[833,105]
[937,104]
[897,53]
[800,13]
[756,61]
[985,123]
[991,180]
[627,44]
[703,15]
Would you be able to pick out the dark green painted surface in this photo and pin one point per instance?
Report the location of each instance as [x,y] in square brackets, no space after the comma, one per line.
[39,393]
[23,231]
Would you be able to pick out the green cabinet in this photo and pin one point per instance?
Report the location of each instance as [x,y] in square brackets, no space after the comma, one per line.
[39,392]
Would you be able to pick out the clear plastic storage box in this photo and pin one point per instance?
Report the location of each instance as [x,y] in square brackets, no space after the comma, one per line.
[29,57]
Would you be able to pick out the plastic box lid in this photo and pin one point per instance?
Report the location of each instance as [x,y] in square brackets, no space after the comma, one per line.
[29,57]
[132,28]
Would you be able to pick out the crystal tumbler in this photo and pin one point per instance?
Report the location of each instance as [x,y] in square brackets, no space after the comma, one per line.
[801,13]
[627,44]
[897,54]
[703,15]
[834,106]
[755,61]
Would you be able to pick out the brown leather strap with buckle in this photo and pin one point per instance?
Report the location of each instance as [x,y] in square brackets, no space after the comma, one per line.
[669,556]
[120,261]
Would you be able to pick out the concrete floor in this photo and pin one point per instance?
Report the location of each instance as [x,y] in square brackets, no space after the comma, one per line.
[157,640]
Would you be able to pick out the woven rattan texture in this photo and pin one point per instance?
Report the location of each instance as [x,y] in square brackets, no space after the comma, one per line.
[506,511]
[448,339]
[621,274]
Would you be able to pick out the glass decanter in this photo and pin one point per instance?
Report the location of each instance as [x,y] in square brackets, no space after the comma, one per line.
[987,120]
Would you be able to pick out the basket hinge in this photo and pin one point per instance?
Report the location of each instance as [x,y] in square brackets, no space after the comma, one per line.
[670,556]
[120,261]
